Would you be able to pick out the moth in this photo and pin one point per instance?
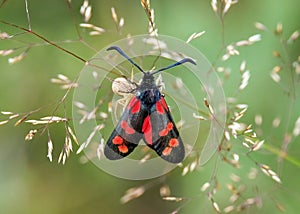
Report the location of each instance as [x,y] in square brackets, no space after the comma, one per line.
[146,117]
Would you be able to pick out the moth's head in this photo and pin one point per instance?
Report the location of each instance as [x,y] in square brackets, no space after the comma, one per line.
[148,79]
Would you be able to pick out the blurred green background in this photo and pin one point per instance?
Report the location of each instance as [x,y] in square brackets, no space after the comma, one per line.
[29,183]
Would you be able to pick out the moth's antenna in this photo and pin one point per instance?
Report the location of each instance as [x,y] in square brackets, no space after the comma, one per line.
[175,64]
[124,55]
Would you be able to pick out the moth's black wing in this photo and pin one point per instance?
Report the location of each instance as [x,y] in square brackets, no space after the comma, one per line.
[127,133]
[161,133]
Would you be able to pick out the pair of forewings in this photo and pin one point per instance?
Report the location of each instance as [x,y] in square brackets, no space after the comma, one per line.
[153,124]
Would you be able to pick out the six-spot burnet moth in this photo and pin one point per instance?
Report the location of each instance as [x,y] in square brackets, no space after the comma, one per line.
[147,117]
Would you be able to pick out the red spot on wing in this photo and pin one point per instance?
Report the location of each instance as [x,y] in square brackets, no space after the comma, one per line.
[127,128]
[131,103]
[173,142]
[159,108]
[117,140]
[169,126]
[164,104]
[166,130]
[123,148]
[147,130]
[163,132]
[134,105]
[167,151]
[136,108]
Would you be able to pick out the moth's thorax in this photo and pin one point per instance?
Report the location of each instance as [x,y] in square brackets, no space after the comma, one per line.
[147,91]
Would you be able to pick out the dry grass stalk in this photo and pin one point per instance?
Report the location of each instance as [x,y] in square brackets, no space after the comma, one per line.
[86,10]
[31,134]
[165,191]
[175,199]
[132,193]
[295,35]
[16,59]
[3,122]
[260,26]
[6,52]
[194,36]
[119,23]
[50,149]
[150,14]
[279,29]
[4,35]
[296,130]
